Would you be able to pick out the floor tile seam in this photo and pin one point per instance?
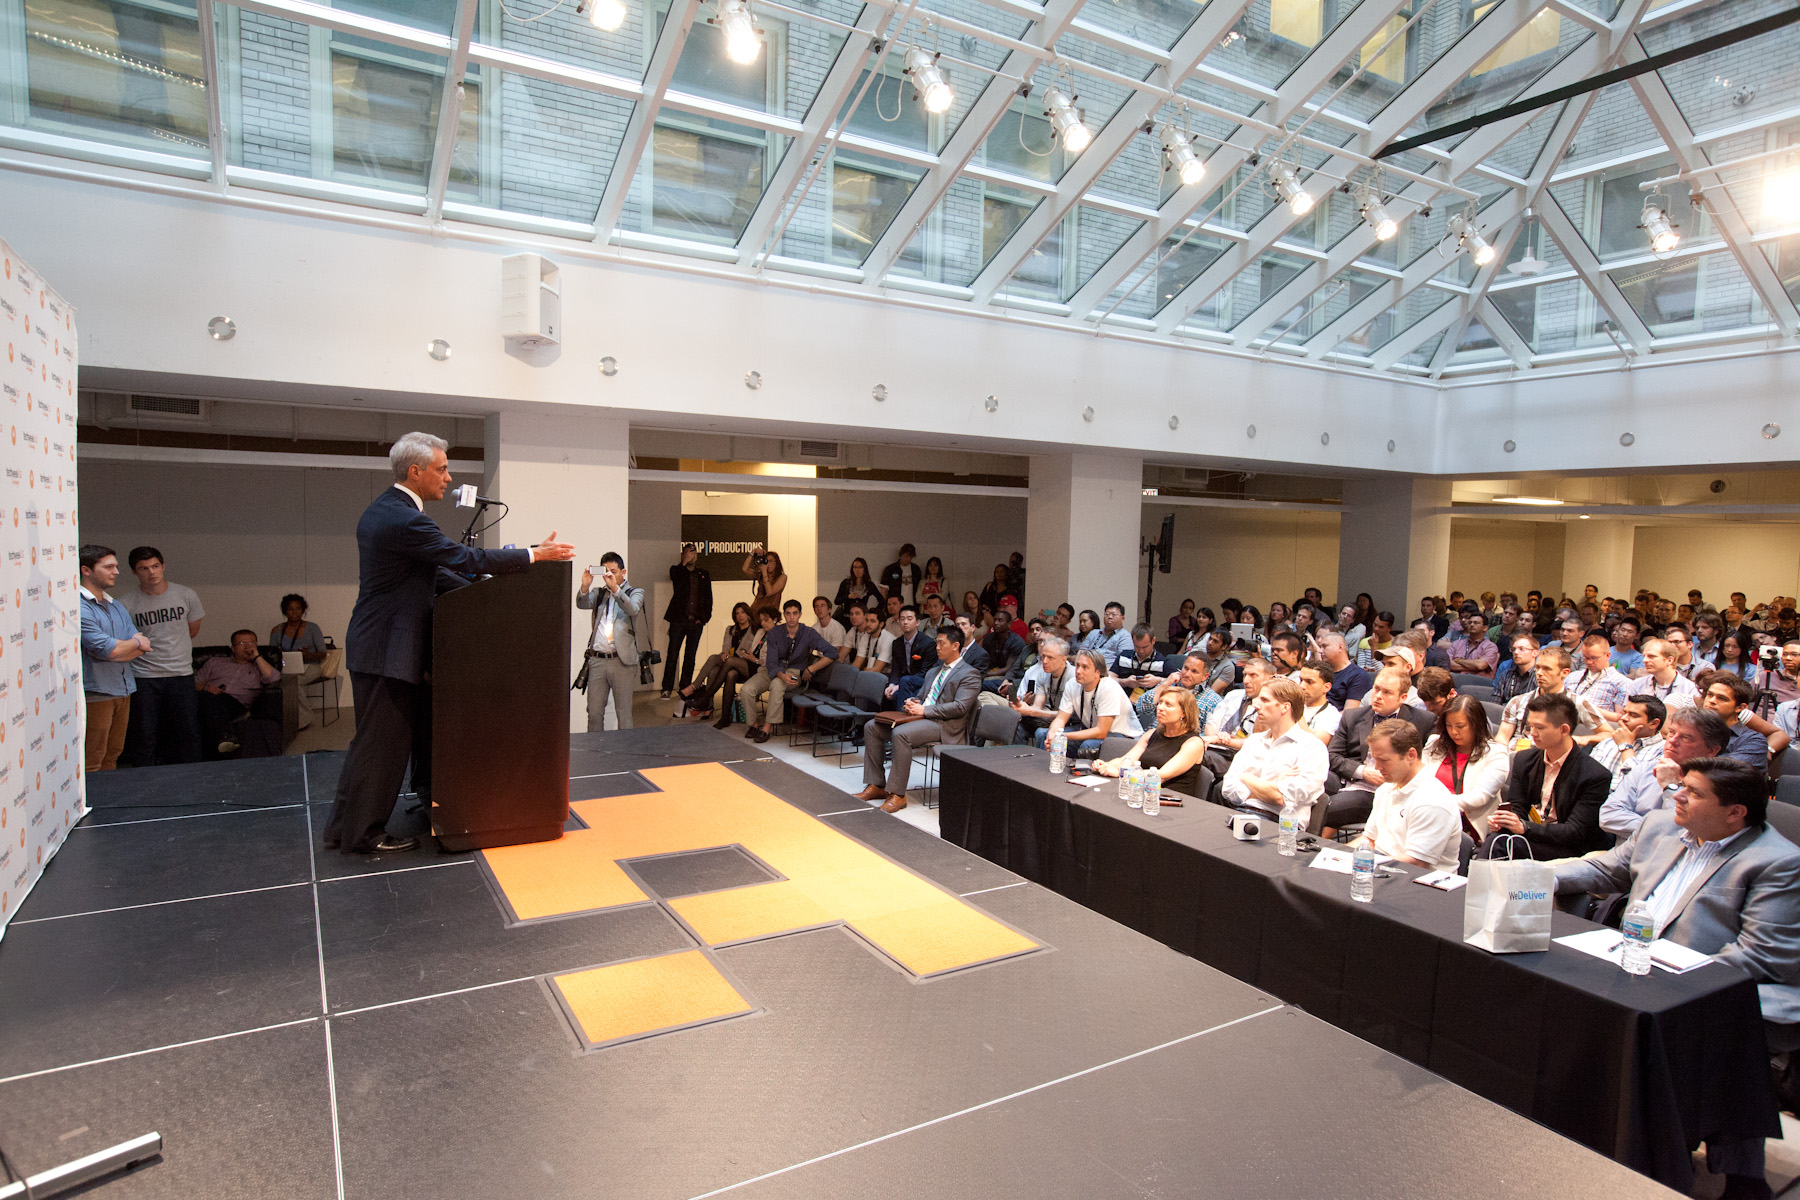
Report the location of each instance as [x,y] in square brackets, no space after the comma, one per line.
[974,1108]
[461,862]
[100,912]
[94,1062]
[1001,888]
[229,812]
[477,987]
[312,860]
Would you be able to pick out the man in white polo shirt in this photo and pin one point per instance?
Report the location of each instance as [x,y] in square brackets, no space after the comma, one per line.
[1415,819]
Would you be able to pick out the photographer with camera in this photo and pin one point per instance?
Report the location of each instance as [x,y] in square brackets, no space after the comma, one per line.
[762,566]
[611,667]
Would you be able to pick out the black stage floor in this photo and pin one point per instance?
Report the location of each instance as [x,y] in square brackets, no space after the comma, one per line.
[299,1024]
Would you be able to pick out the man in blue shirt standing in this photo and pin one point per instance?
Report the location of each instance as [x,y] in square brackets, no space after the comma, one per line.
[109,641]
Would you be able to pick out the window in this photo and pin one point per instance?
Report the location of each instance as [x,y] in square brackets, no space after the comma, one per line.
[866,195]
[705,182]
[704,69]
[116,70]
[1021,143]
[892,112]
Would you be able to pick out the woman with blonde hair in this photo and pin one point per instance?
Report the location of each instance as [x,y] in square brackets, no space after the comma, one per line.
[1172,745]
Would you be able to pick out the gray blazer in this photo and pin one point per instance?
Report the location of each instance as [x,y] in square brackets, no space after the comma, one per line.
[630,601]
[1744,909]
[955,708]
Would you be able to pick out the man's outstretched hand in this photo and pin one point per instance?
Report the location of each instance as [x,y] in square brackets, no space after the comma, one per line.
[551,550]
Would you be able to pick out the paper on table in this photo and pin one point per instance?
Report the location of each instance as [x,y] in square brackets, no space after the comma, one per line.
[1443,881]
[1342,861]
[1608,944]
[1090,780]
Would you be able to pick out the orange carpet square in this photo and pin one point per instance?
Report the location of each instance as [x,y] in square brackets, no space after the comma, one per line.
[653,994]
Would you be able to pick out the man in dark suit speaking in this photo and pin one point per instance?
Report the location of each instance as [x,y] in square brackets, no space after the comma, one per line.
[400,550]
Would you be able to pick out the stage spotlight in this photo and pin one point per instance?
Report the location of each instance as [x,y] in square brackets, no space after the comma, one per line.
[1181,157]
[1065,121]
[742,44]
[929,79]
[1468,238]
[1287,186]
[606,15]
[1376,214]
[1663,237]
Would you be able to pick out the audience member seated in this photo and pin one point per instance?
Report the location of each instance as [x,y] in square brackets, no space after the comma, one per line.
[828,628]
[915,652]
[1434,689]
[1729,696]
[1784,682]
[871,645]
[1720,881]
[1002,647]
[1189,676]
[1113,641]
[1415,819]
[934,616]
[1234,717]
[296,634]
[1598,690]
[228,686]
[1285,648]
[1184,624]
[1353,778]
[1349,682]
[1688,734]
[1041,688]
[793,654]
[1467,760]
[1007,686]
[697,696]
[1555,791]
[1280,763]
[1095,709]
[1140,666]
[1518,673]
[944,715]
[1553,666]
[744,664]
[1172,745]
[1088,635]
[1663,678]
[1473,653]
[1627,659]
[891,605]
[1319,718]
[1637,735]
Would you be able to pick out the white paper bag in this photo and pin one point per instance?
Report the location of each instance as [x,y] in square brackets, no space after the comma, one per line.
[1506,907]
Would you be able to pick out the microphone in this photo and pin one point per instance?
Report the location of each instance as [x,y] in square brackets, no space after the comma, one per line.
[466,497]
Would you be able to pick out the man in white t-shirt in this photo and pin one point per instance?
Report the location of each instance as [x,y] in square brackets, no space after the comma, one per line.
[872,646]
[1095,709]
[834,634]
[1415,819]
[1281,762]
[164,726]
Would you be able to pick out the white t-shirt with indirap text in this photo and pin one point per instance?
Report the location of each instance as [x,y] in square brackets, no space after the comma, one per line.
[164,620]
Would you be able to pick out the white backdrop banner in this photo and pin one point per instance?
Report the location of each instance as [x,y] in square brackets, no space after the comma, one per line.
[42,715]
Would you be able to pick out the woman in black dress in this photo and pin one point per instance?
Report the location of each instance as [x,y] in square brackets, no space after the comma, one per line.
[1173,745]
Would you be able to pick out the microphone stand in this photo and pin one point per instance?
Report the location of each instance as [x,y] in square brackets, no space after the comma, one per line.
[481,506]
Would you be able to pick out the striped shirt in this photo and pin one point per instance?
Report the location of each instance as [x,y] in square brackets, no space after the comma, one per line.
[1695,858]
[1680,694]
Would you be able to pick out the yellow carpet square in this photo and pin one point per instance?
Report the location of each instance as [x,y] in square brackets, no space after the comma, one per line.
[635,998]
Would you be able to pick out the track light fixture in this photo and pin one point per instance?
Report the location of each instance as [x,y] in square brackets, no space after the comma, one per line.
[1287,186]
[1470,239]
[743,43]
[1180,156]
[604,15]
[1065,121]
[928,79]
[1655,223]
[1368,202]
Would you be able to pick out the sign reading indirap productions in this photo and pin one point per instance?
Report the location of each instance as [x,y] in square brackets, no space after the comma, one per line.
[723,541]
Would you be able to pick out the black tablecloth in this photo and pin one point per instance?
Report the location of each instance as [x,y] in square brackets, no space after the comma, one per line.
[1640,1068]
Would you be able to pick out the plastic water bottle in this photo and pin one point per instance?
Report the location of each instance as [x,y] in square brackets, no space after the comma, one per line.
[1639,930]
[1362,874]
[1290,830]
[1059,752]
[1128,785]
[1152,792]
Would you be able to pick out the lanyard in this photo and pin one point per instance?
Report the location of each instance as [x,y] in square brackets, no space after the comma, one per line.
[1456,774]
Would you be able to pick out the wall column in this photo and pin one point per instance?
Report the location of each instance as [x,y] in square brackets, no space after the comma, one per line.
[1081,531]
[567,469]
[1392,543]
[1598,551]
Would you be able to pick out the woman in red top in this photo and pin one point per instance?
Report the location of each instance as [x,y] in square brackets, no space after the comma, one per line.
[1468,761]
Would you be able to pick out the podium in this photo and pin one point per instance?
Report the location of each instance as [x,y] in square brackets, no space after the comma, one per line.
[500,709]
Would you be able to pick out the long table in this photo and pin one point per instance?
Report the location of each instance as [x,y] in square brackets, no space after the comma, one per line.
[1639,1068]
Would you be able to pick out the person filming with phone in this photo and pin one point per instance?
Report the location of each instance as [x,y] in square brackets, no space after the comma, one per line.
[611,666]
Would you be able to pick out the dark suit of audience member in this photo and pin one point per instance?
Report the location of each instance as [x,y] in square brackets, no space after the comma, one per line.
[388,653]
[690,608]
[912,658]
[949,696]
[1572,827]
[1348,749]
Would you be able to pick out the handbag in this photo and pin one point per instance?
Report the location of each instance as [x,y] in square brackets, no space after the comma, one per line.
[1506,907]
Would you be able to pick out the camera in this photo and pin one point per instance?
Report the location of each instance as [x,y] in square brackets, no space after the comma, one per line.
[1768,657]
[760,558]
[1246,827]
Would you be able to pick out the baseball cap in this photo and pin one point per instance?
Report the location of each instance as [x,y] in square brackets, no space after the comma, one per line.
[1404,654]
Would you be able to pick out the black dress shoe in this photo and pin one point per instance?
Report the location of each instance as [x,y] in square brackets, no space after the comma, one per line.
[389,844]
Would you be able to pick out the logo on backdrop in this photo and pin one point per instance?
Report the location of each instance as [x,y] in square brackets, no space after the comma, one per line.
[724,540]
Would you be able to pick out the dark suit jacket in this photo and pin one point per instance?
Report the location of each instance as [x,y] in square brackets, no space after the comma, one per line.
[399,551]
[1349,746]
[1581,788]
[705,600]
[920,658]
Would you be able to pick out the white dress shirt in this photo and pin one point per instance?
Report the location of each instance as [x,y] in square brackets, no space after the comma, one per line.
[1295,762]
[1694,859]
